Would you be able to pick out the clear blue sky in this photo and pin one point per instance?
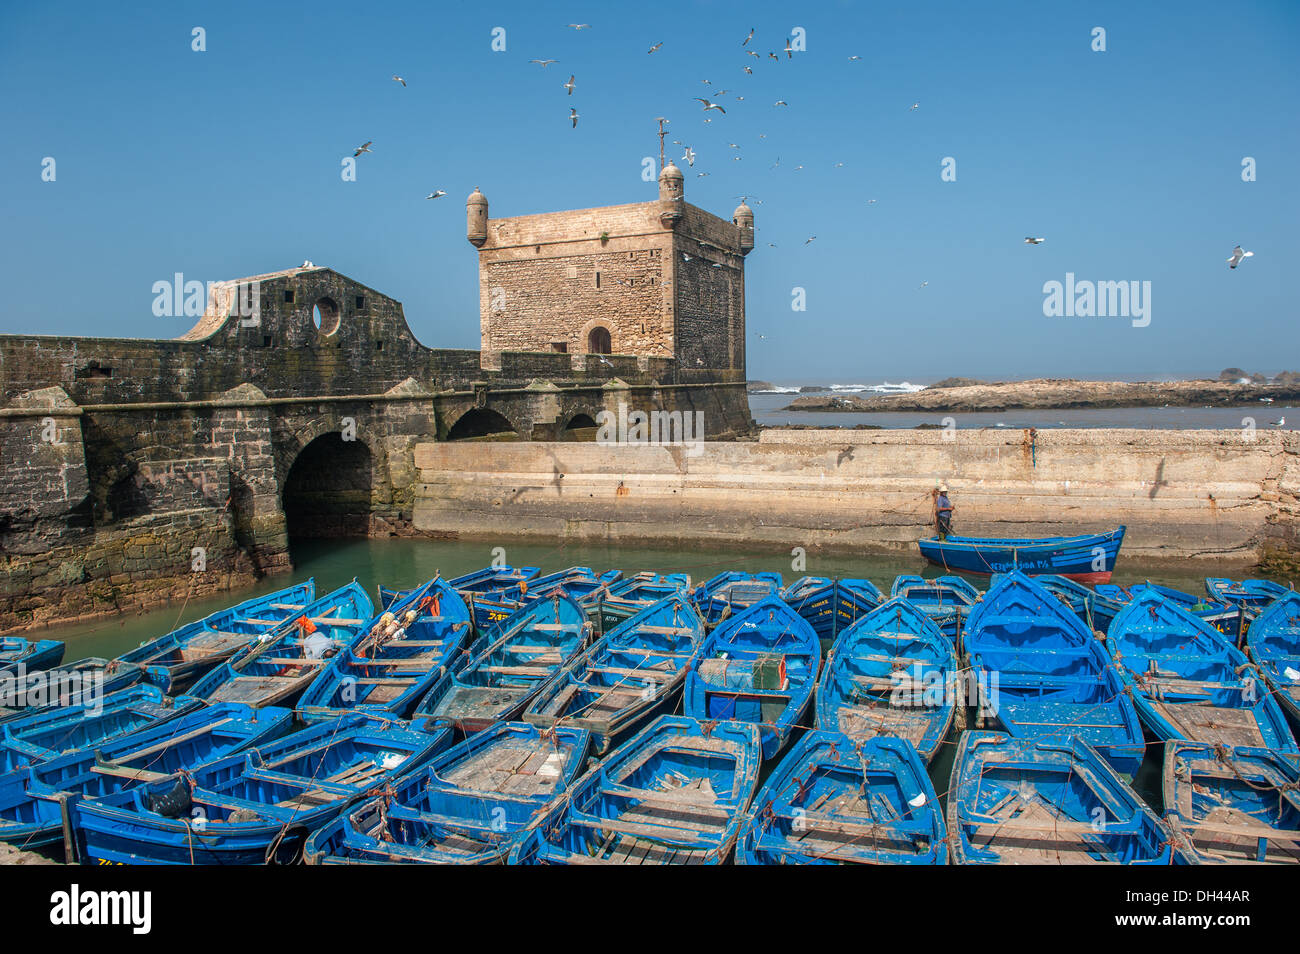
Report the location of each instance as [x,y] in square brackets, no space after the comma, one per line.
[226,163]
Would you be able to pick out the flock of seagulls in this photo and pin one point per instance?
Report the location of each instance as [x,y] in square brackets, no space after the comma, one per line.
[714,105]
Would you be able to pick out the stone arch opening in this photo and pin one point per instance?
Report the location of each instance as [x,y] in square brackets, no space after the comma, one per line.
[580,427]
[482,423]
[325,315]
[327,492]
[599,341]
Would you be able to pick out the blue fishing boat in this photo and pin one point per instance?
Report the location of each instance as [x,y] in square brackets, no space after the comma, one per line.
[18,655]
[524,652]
[281,663]
[1189,682]
[45,733]
[836,801]
[1047,676]
[469,805]
[947,600]
[1232,806]
[399,657]
[254,807]
[492,609]
[192,650]
[892,673]
[758,666]
[1020,801]
[732,591]
[487,582]
[1095,610]
[627,677]
[831,606]
[1273,642]
[627,597]
[490,579]
[673,794]
[1088,558]
[1227,619]
[38,803]
[69,685]
[1250,595]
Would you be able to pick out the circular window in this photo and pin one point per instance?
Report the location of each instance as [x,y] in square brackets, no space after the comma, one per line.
[325,315]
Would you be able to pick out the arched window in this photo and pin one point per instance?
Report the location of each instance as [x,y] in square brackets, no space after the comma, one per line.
[598,341]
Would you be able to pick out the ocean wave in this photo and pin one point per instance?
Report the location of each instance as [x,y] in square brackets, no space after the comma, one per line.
[905,387]
[776,390]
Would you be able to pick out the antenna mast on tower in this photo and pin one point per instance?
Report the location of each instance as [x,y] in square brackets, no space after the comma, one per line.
[661,142]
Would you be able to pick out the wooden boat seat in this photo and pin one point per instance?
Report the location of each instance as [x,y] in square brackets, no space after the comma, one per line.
[290,661]
[385,682]
[136,775]
[518,670]
[289,606]
[556,627]
[150,750]
[666,630]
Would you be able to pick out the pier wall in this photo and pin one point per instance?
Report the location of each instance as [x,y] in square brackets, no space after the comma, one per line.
[1208,496]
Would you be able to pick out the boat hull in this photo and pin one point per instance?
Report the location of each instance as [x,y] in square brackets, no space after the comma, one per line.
[1086,559]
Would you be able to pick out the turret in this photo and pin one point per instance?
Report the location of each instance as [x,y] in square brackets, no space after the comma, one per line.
[743,220]
[671,192]
[476,218]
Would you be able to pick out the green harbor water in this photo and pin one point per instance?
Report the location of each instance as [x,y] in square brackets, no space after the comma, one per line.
[404,563]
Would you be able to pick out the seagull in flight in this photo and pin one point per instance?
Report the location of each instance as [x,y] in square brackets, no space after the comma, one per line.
[700,175]
[435,195]
[1237,255]
[810,240]
[689,156]
[543,63]
[573,117]
[655,47]
[773,56]
[364,147]
[872,201]
[569,85]
[789,53]
[755,54]
[748,38]
[708,105]
[780,102]
[749,71]
[923,284]
[914,107]
[1034,241]
[398,79]
[579,26]
[851,58]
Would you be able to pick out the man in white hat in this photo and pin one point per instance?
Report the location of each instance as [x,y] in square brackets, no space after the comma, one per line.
[943,512]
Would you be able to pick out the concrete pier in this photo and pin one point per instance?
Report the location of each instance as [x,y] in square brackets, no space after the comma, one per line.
[1214,497]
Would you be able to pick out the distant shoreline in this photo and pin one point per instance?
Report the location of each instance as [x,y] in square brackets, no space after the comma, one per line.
[1057,394]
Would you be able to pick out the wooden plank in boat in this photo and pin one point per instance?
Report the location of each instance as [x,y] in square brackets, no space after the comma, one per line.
[666,630]
[173,741]
[138,775]
[518,670]
[1228,726]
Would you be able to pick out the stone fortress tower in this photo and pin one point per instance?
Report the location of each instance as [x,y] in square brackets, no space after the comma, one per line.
[661,278]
